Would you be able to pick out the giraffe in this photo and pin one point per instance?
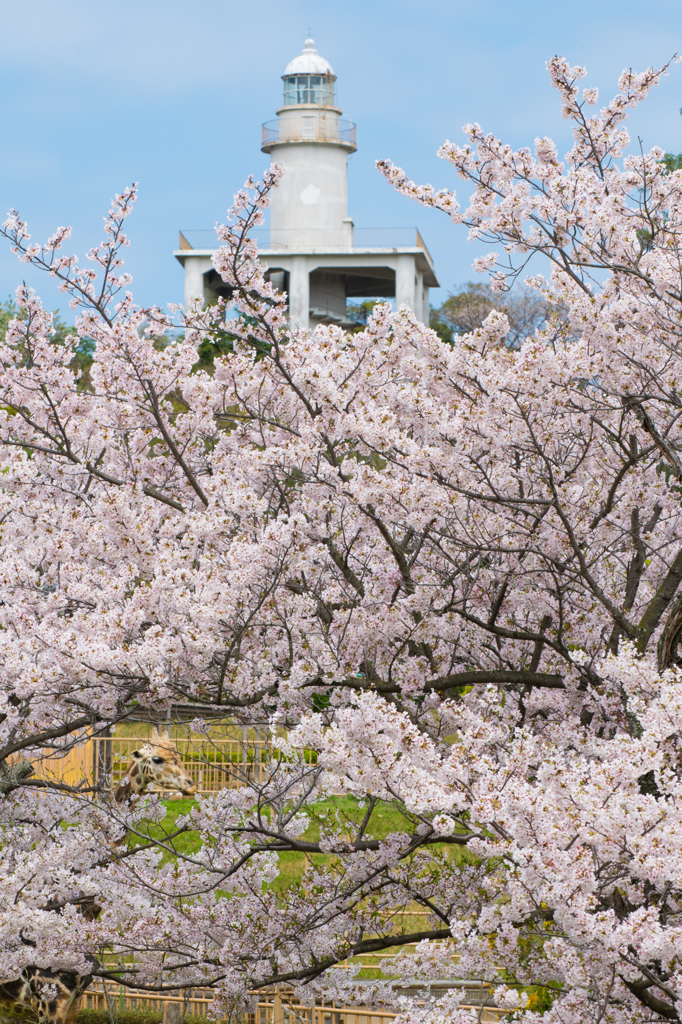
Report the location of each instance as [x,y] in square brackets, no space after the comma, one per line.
[156,763]
[42,996]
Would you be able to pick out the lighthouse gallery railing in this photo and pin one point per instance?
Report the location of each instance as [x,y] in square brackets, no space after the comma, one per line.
[324,239]
[310,128]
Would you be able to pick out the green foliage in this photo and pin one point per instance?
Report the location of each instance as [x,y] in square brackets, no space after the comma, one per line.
[358,313]
[321,701]
[645,239]
[153,1015]
[541,997]
[672,162]
[123,1017]
[437,323]
[216,345]
[220,343]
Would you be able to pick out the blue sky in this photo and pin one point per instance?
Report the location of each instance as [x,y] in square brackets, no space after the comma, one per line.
[172,94]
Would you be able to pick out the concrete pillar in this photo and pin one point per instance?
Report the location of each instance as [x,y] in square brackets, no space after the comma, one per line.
[299,292]
[427,306]
[194,280]
[419,297]
[404,282]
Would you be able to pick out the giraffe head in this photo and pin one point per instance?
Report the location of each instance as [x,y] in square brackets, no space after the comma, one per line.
[157,763]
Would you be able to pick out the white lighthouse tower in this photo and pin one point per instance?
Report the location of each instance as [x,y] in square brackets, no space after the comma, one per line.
[312,250]
[313,142]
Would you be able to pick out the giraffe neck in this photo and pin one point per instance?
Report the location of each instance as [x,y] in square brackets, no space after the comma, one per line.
[50,997]
[131,788]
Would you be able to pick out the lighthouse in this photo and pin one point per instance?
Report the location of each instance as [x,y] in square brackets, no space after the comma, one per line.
[312,249]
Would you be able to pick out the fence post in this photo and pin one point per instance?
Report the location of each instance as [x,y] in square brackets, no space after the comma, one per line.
[102,757]
[172,1012]
[277,1015]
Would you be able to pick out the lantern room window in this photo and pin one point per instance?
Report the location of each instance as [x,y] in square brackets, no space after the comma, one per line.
[305,89]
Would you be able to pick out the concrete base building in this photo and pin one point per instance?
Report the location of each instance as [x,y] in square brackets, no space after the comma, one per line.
[312,249]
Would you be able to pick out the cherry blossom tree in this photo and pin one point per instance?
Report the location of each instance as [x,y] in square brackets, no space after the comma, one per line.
[450,571]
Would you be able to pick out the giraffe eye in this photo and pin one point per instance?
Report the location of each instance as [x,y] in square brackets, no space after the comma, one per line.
[157,760]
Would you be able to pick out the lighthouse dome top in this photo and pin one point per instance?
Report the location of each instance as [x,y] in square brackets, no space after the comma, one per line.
[308,62]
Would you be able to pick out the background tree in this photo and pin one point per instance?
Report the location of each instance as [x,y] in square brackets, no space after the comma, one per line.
[466,308]
[672,162]
[9,310]
[360,312]
[62,334]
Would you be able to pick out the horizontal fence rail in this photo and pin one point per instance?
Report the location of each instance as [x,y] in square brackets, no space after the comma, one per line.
[276,1006]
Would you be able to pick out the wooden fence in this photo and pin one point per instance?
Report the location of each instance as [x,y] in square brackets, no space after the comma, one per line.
[276,1006]
[213,765]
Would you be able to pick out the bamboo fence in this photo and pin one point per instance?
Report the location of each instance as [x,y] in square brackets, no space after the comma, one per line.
[276,1006]
[212,765]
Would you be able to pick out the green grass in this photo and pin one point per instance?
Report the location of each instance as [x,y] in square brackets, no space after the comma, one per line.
[186,844]
[346,812]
